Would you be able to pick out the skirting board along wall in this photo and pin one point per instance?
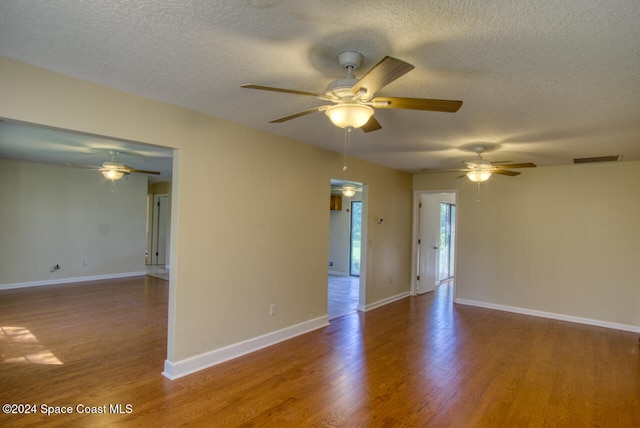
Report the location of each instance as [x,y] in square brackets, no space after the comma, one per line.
[70,280]
[383,302]
[178,369]
[550,315]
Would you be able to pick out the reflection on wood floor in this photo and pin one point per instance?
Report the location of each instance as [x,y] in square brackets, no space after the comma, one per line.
[343,295]
[420,361]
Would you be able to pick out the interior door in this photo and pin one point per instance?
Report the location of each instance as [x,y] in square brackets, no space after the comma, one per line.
[428,242]
[159,233]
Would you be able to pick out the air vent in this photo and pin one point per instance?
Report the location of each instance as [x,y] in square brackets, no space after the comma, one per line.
[613,158]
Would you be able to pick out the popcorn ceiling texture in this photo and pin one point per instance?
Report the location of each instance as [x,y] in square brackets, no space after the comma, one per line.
[544,81]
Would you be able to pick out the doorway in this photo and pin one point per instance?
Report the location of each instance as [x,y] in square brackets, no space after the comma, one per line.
[434,240]
[346,277]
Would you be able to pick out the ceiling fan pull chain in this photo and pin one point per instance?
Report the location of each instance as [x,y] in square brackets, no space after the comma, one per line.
[347,141]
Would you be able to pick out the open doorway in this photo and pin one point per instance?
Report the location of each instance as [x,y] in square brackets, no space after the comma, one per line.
[346,261]
[434,240]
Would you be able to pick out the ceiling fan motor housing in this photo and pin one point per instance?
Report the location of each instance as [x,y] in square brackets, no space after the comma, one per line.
[341,88]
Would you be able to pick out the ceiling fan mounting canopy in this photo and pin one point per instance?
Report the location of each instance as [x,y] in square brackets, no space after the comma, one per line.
[353,98]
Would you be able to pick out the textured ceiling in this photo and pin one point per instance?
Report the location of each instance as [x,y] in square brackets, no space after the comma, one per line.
[542,81]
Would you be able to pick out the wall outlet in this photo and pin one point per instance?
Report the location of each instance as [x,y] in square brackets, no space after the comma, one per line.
[272,309]
[330,264]
[85,262]
[519,289]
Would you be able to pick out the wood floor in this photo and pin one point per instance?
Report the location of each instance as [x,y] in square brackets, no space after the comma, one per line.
[421,361]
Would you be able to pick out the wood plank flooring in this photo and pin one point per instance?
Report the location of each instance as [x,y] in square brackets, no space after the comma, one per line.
[421,361]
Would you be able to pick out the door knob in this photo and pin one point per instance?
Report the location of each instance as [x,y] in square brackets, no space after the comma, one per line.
[435,248]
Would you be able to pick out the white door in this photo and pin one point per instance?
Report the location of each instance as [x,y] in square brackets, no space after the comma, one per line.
[159,232]
[428,242]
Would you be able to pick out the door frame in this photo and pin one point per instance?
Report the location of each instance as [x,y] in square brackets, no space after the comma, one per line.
[415,230]
[362,284]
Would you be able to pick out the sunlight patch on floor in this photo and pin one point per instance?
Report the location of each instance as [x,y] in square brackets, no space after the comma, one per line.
[19,345]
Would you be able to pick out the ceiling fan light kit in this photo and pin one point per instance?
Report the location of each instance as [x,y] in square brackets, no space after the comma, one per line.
[348,190]
[349,115]
[112,171]
[478,176]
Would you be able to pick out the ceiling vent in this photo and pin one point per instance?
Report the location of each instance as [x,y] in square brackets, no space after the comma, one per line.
[613,158]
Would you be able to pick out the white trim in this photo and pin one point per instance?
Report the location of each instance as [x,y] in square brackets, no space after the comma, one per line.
[70,280]
[550,315]
[338,273]
[178,369]
[383,302]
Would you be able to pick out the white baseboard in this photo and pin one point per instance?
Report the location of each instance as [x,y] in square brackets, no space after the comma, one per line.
[70,280]
[338,273]
[550,315]
[383,302]
[178,369]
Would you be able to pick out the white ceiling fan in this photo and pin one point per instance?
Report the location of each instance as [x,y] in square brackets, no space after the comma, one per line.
[480,169]
[114,170]
[352,99]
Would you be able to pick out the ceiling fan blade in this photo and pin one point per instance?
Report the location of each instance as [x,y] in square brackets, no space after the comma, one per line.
[286,91]
[447,106]
[437,171]
[505,172]
[518,165]
[77,165]
[299,114]
[371,125]
[383,73]
[141,171]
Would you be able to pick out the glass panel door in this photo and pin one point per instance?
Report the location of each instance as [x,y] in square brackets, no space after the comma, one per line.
[356,227]
[447,239]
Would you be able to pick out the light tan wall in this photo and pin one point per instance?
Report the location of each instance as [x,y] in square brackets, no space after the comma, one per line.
[239,240]
[55,214]
[163,188]
[560,239]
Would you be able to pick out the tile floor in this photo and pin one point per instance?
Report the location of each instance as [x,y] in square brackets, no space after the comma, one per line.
[158,271]
[343,295]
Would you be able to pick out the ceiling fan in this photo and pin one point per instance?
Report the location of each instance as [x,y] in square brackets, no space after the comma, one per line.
[347,189]
[114,170]
[353,99]
[480,169]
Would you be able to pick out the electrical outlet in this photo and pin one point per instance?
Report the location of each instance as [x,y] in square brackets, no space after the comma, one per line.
[520,289]
[330,264]
[85,262]
[272,309]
